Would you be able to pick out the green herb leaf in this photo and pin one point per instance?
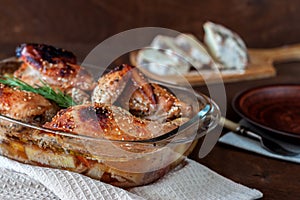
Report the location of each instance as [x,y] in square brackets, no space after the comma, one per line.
[63,100]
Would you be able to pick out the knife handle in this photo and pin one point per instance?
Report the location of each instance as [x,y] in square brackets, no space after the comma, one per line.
[237,128]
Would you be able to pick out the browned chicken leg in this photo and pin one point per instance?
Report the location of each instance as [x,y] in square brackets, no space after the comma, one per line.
[108,121]
[127,86]
[55,66]
[25,106]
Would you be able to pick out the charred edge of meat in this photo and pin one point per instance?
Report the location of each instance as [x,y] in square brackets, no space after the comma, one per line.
[66,71]
[124,67]
[101,115]
[47,53]
[139,80]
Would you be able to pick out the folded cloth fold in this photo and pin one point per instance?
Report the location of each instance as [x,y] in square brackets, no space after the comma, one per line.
[242,142]
[193,181]
[252,145]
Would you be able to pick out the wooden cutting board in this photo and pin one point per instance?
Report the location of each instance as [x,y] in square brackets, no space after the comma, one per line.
[261,66]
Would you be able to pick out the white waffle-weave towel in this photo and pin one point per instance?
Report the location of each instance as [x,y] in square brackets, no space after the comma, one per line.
[193,181]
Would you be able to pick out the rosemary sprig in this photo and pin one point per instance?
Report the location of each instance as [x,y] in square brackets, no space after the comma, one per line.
[62,100]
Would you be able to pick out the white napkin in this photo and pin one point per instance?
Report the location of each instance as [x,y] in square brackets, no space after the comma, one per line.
[254,146]
[193,181]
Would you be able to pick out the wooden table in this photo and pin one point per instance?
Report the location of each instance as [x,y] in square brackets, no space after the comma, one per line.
[80,25]
[276,179]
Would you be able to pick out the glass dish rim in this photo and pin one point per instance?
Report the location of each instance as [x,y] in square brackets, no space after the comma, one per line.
[209,107]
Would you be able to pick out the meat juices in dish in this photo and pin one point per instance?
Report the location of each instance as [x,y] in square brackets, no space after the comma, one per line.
[113,123]
[55,66]
[127,86]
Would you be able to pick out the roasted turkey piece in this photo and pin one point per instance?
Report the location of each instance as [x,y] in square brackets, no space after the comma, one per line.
[108,121]
[128,87]
[55,66]
[25,106]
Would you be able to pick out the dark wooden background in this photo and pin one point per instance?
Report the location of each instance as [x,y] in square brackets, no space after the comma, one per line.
[82,24]
[85,23]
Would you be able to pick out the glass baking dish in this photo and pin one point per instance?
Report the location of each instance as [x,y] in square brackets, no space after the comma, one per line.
[118,162]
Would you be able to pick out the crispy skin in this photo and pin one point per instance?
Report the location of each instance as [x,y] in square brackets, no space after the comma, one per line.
[25,106]
[108,121]
[168,107]
[142,83]
[128,87]
[111,85]
[100,120]
[54,65]
[36,54]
